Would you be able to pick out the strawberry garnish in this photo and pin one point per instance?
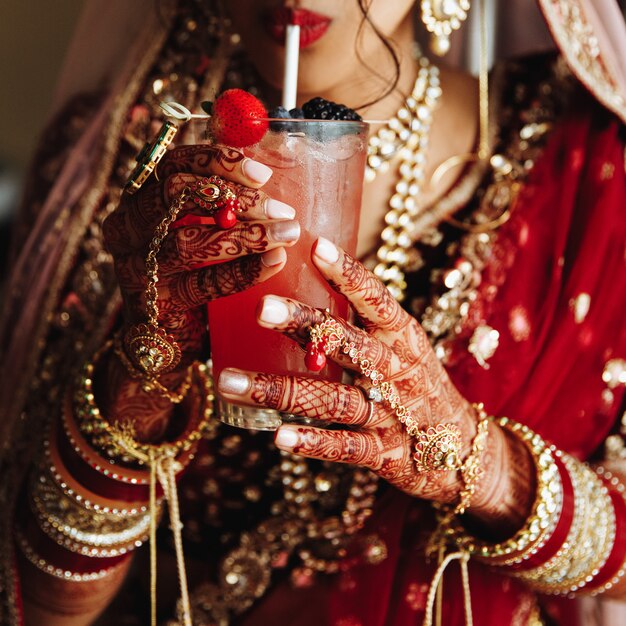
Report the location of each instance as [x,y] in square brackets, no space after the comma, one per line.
[237,119]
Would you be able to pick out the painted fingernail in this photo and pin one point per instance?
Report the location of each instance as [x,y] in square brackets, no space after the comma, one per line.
[277,210]
[273,311]
[274,257]
[326,250]
[285,231]
[256,171]
[233,382]
[286,438]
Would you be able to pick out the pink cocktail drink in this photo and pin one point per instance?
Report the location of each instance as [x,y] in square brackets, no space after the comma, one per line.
[318,169]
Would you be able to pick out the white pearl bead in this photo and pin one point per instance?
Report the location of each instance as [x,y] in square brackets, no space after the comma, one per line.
[388,235]
[404,241]
[391,218]
[396,201]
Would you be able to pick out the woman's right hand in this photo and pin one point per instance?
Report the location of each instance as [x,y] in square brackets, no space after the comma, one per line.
[247,254]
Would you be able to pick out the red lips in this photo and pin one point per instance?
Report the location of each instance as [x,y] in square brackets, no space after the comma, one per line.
[312,25]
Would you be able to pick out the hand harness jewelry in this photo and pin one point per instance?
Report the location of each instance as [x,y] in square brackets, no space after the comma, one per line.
[437,447]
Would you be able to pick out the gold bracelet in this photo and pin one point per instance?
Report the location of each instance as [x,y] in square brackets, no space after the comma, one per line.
[152,384]
[545,512]
[163,461]
[471,471]
[589,541]
[118,441]
[100,535]
[49,471]
[58,572]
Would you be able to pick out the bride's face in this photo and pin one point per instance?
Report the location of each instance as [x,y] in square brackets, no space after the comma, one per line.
[330,42]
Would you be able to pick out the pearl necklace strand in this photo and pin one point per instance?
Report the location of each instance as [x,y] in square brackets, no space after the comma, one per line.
[405,135]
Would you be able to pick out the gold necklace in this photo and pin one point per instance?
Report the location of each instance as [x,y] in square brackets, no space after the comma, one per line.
[406,136]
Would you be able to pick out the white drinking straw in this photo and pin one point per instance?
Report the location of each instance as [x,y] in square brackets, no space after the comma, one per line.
[290,78]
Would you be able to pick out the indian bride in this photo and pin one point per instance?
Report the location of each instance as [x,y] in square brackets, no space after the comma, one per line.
[472,466]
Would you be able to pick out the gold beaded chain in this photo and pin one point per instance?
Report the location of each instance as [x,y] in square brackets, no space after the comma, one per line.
[152,264]
[406,136]
[437,447]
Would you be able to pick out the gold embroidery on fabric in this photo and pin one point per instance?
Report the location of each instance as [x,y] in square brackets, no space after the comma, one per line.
[579,43]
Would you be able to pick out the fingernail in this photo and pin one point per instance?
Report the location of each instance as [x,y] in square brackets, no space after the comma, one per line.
[233,382]
[256,171]
[273,311]
[277,210]
[286,438]
[326,250]
[285,231]
[274,257]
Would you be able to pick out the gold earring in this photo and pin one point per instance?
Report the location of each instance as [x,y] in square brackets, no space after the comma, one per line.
[441,17]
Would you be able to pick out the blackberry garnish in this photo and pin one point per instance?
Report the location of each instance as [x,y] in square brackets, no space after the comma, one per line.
[280,113]
[320,109]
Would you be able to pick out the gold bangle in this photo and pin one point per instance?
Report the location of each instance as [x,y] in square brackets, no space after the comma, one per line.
[79,530]
[589,541]
[544,515]
[58,572]
[118,441]
[618,485]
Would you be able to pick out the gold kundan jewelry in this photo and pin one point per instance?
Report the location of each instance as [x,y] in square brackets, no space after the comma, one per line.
[150,349]
[406,136]
[441,18]
[164,462]
[438,447]
[471,470]
[81,530]
[118,441]
[176,396]
[544,515]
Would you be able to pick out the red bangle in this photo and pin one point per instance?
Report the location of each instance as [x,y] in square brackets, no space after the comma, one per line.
[54,467]
[613,569]
[558,537]
[101,477]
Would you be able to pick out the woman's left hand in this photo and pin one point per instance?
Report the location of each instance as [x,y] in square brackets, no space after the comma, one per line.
[399,350]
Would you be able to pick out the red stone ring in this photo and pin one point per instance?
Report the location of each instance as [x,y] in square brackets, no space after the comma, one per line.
[215,196]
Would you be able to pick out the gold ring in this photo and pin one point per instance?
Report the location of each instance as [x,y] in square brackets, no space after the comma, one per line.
[214,195]
[149,157]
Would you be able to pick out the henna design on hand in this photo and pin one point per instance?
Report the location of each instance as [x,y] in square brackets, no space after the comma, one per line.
[401,352]
[358,448]
[192,246]
[183,289]
[312,398]
[375,306]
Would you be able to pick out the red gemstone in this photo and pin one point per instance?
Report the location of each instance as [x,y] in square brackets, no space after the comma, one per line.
[314,359]
[225,218]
